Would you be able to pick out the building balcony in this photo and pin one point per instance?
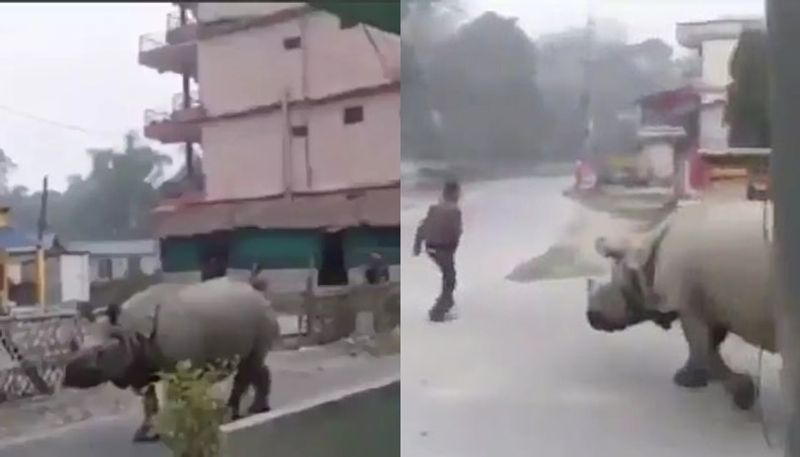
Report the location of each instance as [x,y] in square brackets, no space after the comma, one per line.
[693,34]
[178,32]
[187,109]
[176,127]
[165,54]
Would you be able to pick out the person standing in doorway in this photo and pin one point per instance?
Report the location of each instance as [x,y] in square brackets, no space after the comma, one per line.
[440,231]
[213,268]
[376,271]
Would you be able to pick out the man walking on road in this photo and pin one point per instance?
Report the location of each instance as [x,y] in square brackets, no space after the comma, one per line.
[441,232]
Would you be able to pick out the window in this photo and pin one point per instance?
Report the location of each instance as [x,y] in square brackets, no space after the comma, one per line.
[292,43]
[105,268]
[300,131]
[353,115]
[134,266]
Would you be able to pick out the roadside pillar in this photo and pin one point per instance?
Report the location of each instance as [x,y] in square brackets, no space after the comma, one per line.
[783,24]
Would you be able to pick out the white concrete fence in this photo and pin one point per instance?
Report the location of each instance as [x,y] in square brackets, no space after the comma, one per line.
[360,422]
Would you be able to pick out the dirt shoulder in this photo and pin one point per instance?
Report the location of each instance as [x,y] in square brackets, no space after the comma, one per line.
[612,212]
[348,361]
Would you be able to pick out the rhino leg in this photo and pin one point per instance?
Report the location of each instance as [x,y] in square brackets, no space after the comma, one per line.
[146,433]
[262,381]
[718,369]
[241,381]
[696,372]
[739,385]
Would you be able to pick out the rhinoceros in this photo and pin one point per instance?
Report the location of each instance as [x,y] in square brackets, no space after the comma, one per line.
[707,266]
[205,323]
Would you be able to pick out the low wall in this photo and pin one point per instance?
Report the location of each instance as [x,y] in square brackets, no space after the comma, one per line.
[360,422]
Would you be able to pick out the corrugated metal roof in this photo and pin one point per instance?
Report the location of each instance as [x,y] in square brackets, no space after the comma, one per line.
[49,241]
[11,238]
[115,248]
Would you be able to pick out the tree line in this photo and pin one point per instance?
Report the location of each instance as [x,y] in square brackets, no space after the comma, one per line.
[113,201]
[483,90]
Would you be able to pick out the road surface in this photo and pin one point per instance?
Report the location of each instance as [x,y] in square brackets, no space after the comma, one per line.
[520,373]
[297,377]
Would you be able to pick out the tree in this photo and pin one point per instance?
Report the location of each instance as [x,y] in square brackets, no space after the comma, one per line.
[113,202]
[482,82]
[747,111]
[619,74]
[7,166]
[418,132]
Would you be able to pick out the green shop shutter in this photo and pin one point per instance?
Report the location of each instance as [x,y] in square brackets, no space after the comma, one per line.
[360,242]
[180,255]
[275,249]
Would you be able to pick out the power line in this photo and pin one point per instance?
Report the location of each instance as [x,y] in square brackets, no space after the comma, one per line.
[53,123]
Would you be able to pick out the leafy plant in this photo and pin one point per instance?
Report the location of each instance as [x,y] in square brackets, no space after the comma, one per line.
[191,415]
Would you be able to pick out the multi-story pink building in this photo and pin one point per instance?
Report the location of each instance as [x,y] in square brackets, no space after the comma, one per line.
[297,114]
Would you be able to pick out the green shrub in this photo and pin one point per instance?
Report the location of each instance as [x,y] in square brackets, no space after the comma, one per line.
[189,419]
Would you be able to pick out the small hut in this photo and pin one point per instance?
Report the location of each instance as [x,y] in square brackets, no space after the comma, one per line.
[10,239]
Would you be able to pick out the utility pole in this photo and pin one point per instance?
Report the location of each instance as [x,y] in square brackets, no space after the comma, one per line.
[586,96]
[783,28]
[187,101]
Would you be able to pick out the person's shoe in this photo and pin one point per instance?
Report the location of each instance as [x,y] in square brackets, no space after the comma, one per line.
[436,316]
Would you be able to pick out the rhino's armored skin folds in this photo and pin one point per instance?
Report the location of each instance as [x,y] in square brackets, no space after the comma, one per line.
[709,267]
[205,323]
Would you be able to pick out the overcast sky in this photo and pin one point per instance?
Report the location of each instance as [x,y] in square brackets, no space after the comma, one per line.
[75,64]
[643,18]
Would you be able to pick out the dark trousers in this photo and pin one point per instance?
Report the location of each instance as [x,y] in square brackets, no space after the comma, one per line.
[444,258]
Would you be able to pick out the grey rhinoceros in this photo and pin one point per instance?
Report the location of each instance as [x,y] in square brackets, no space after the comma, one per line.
[205,323]
[707,266]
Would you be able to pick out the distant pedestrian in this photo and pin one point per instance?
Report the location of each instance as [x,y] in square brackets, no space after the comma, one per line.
[376,272]
[440,231]
[213,268]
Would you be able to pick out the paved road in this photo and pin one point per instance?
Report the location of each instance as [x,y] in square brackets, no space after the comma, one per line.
[297,377]
[520,372]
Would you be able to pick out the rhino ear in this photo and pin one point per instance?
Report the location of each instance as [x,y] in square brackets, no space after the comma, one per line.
[604,248]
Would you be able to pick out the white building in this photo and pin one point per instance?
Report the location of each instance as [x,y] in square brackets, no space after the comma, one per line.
[66,273]
[656,162]
[715,42]
[109,260]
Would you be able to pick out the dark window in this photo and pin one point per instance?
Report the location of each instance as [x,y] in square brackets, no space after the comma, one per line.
[134,266]
[292,43]
[332,272]
[347,23]
[300,131]
[215,255]
[354,115]
[105,269]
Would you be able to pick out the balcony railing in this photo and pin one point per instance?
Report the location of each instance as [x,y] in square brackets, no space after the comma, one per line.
[150,41]
[178,100]
[174,20]
[152,116]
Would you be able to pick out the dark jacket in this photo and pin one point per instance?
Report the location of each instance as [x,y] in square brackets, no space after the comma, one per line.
[441,227]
